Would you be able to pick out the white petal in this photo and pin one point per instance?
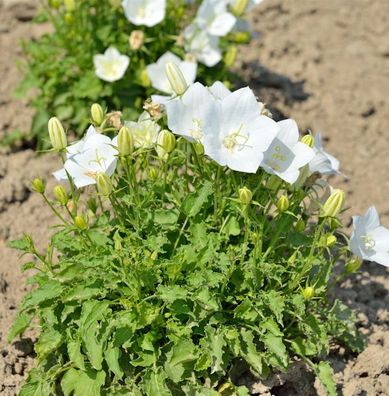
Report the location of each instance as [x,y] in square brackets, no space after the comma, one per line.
[61,175]
[219,90]
[222,24]
[303,155]
[371,219]
[381,258]
[78,173]
[380,236]
[289,132]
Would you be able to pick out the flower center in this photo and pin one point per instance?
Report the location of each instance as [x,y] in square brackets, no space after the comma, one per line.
[141,13]
[235,140]
[368,242]
[98,160]
[197,131]
[111,68]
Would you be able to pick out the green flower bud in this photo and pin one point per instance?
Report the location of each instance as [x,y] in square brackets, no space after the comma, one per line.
[300,225]
[176,78]
[308,292]
[308,140]
[97,114]
[245,195]
[57,134]
[54,4]
[230,55]
[69,18]
[330,240]
[166,142]
[353,265]
[70,5]
[198,148]
[333,205]
[125,141]
[283,203]
[152,173]
[104,184]
[38,185]
[144,79]
[239,7]
[61,195]
[80,222]
[242,37]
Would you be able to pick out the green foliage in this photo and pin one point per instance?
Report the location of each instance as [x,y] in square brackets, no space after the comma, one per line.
[59,66]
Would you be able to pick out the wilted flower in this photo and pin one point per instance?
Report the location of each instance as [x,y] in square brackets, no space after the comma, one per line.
[242,134]
[369,239]
[144,12]
[322,162]
[157,72]
[111,65]
[213,18]
[286,155]
[203,46]
[136,39]
[144,131]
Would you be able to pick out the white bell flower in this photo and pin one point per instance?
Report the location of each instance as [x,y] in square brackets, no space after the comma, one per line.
[145,131]
[213,18]
[242,134]
[158,77]
[111,66]
[203,46]
[219,90]
[369,239]
[322,162]
[193,114]
[86,159]
[144,12]
[286,155]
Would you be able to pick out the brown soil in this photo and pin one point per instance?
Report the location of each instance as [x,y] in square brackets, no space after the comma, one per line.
[323,63]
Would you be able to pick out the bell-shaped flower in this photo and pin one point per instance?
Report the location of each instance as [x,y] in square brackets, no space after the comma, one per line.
[203,46]
[111,66]
[193,113]
[97,154]
[370,240]
[144,12]
[157,74]
[213,18]
[242,134]
[286,155]
[144,131]
[322,162]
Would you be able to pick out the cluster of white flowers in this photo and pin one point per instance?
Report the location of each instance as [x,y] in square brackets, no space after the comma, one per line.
[214,19]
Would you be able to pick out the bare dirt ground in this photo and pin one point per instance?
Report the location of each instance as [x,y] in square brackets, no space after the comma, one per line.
[323,63]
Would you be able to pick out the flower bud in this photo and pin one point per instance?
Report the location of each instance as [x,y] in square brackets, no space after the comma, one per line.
[144,78]
[230,55]
[69,18]
[239,7]
[166,142]
[283,203]
[245,195]
[198,148]
[125,141]
[308,140]
[176,78]
[70,5]
[60,195]
[353,265]
[330,240]
[104,184]
[54,3]
[152,173]
[300,225]
[97,114]
[333,205]
[242,37]
[38,185]
[57,134]
[80,222]
[136,39]
[308,292]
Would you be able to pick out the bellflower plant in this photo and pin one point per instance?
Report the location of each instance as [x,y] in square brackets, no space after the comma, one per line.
[113,52]
[195,261]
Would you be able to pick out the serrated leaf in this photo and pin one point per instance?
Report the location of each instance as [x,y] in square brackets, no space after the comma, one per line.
[112,356]
[215,344]
[250,353]
[89,383]
[194,202]
[75,355]
[69,381]
[326,375]
[171,293]
[47,291]
[275,345]
[20,324]
[49,340]
[154,384]
[182,352]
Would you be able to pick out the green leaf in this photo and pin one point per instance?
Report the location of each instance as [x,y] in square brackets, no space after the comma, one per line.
[171,293]
[165,217]
[154,384]
[75,355]
[326,375]
[275,345]
[250,353]
[215,343]
[47,291]
[89,383]
[112,356]
[69,381]
[49,340]
[194,202]
[182,352]
[21,323]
